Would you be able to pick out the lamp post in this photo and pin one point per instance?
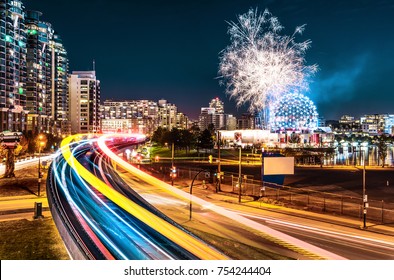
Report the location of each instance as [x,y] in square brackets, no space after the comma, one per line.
[239,174]
[191,193]
[219,167]
[40,143]
[172,163]
[365,198]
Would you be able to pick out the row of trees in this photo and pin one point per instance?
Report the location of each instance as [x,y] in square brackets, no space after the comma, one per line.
[185,139]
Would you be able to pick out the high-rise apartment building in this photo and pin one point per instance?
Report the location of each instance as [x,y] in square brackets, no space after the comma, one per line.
[182,121]
[373,124]
[167,115]
[39,71]
[207,117]
[137,116]
[231,122]
[129,109]
[33,73]
[12,66]
[84,92]
[213,115]
[141,116]
[47,68]
[60,94]
[247,121]
[218,105]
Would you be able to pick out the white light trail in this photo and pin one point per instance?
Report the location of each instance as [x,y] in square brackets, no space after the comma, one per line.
[344,236]
[269,233]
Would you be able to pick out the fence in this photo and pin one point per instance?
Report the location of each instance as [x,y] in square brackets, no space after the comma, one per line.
[377,212]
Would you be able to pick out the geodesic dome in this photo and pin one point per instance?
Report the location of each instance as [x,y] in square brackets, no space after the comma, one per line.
[293,111]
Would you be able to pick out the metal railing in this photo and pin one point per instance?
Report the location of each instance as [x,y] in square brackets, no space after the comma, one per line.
[378,211]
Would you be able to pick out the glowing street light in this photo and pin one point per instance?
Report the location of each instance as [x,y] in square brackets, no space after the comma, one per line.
[41,144]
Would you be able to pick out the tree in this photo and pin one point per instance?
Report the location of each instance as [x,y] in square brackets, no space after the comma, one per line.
[382,148]
[205,140]
[159,135]
[175,137]
[22,146]
[187,140]
[211,128]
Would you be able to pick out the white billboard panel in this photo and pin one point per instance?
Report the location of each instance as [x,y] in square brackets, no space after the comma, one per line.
[278,165]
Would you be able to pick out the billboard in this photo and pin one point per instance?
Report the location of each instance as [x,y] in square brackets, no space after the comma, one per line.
[278,165]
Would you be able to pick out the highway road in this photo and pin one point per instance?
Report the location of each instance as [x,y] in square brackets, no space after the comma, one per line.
[350,243]
[106,224]
[285,241]
[147,213]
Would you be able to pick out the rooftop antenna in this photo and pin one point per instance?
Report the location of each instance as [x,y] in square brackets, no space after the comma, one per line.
[94,65]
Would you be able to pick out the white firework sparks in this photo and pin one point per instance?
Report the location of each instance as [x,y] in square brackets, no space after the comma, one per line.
[260,64]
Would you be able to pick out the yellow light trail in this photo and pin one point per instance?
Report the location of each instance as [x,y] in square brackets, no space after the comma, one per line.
[193,245]
[275,236]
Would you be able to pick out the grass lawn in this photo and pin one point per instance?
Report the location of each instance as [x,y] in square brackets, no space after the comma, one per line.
[31,240]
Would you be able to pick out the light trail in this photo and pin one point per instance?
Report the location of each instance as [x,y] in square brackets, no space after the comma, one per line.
[173,233]
[275,236]
[78,213]
[344,236]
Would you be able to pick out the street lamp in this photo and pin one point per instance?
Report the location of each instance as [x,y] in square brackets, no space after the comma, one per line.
[239,174]
[219,167]
[40,144]
[191,192]
[365,198]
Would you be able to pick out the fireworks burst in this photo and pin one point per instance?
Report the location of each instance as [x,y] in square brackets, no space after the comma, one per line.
[260,64]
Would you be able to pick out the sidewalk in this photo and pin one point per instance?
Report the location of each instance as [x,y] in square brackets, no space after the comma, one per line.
[21,207]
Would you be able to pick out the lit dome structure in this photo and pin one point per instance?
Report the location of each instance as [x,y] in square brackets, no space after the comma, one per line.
[293,111]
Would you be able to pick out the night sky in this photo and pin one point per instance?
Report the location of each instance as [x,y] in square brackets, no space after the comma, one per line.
[170,49]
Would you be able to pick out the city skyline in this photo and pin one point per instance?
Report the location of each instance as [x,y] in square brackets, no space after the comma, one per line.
[171,50]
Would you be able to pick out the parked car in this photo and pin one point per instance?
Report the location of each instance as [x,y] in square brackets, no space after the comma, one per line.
[9,136]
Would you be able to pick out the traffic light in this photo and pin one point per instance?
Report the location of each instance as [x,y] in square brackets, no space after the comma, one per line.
[210,158]
[173,172]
